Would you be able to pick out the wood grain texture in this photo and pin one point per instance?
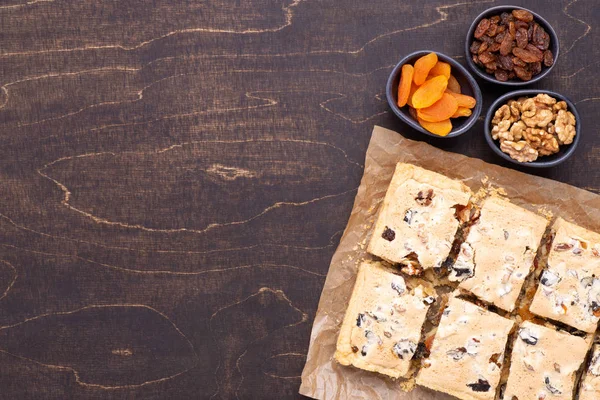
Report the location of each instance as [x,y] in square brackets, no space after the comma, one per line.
[175,176]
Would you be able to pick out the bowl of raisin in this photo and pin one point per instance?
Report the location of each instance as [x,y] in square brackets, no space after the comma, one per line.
[511,46]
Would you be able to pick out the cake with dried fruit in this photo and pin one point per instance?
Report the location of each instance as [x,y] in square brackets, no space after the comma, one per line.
[382,326]
[569,290]
[544,363]
[498,253]
[417,221]
[590,384]
[467,352]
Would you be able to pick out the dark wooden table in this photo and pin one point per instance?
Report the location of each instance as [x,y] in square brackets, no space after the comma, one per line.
[175,176]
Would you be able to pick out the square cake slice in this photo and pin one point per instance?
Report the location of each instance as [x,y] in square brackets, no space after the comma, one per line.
[544,363]
[417,218]
[498,253]
[569,290]
[467,352]
[383,322]
[590,384]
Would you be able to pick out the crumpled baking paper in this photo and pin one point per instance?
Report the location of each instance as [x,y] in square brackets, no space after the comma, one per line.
[322,377]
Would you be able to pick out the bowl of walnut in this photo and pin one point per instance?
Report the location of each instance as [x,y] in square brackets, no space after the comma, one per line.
[511,46]
[535,128]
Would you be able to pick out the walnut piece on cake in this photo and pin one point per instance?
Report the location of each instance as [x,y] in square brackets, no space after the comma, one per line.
[382,326]
[417,220]
[467,352]
[544,363]
[569,290]
[498,253]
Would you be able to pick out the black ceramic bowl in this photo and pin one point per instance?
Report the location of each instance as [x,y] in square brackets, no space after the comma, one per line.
[554,46]
[543,161]
[467,83]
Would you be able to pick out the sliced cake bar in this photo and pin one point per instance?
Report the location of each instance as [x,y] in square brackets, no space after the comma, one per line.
[467,352]
[544,363]
[498,253]
[382,326]
[569,290]
[417,218]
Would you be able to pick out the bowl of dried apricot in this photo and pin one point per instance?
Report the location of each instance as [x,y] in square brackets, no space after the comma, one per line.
[511,46]
[535,128]
[434,94]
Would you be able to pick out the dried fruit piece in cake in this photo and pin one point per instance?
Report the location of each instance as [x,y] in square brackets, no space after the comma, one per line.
[498,253]
[419,208]
[382,325]
[467,353]
[544,363]
[569,289]
[590,384]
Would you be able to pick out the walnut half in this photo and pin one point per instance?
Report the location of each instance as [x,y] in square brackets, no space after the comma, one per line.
[520,151]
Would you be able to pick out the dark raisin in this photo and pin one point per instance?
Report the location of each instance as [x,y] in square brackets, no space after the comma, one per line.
[506,234]
[563,247]
[505,18]
[538,53]
[487,57]
[462,271]
[483,47]
[480,386]
[521,38]
[518,62]
[363,351]
[506,46]
[548,58]
[492,66]
[354,349]
[523,73]
[425,198]
[482,27]
[512,29]
[493,29]
[521,24]
[500,37]
[487,39]
[527,55]
[475,46]
[501,75]
[388,234]
[535,67]
[522,15]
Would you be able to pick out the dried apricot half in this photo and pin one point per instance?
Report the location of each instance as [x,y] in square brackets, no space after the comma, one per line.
[463,100]
[422,67]
[442,109]
[441,128]
[429,92]
[406,77]
[440,68]
[462,112]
